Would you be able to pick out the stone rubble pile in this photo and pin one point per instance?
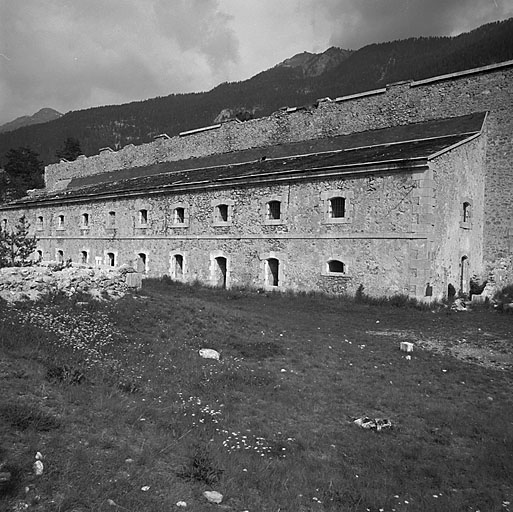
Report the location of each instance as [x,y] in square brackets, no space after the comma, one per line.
[35,282]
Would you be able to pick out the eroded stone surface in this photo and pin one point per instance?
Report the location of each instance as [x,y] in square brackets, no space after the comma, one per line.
[38,281]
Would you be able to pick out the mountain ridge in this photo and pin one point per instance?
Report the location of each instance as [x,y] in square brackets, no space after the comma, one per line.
[294,82]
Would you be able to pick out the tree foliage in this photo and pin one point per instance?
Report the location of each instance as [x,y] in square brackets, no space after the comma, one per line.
[16,245]
[24,171]
[3,186]
[70,150]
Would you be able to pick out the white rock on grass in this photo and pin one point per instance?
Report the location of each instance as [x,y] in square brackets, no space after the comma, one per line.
[208,353]
[213,496]
[38,468]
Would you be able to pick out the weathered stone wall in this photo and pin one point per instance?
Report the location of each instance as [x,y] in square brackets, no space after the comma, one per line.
[454,238]
[374,239]
[487,89]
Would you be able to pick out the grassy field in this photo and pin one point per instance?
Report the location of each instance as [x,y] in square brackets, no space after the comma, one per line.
[128,417]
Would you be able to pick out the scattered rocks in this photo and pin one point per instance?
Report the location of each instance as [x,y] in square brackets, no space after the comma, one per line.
[458,305]
[208,353]
[33,283]
[213,496]
[373,424]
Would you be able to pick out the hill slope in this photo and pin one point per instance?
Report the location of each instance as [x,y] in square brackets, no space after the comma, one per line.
[42,116]
[296,81]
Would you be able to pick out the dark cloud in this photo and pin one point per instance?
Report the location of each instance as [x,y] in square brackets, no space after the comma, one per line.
[361,22]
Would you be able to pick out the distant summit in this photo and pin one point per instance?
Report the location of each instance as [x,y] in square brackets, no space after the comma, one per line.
[43,116]
[315,64]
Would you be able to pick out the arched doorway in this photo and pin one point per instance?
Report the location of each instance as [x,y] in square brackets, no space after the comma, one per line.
[140,264]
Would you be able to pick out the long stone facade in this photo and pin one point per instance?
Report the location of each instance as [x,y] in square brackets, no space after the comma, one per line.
[371,190]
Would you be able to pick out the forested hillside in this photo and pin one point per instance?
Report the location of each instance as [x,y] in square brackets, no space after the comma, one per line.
[286,84]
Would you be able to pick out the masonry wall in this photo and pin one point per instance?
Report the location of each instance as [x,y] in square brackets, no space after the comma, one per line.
[455,247]
[487,89]
[374,240]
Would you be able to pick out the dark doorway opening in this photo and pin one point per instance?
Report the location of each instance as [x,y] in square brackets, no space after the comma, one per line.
[273,270]
[141,263]
[221,271]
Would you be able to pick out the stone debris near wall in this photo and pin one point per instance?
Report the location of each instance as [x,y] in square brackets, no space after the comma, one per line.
[36,282]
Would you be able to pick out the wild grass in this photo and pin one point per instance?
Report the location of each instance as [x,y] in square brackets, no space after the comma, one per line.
[128,416]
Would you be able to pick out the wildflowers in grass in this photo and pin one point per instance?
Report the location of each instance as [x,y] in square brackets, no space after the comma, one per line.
[261,446]
[90,335]
[199,412]
[87,339]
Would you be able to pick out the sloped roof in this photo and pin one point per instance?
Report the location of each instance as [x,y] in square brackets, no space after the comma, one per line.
[396,148]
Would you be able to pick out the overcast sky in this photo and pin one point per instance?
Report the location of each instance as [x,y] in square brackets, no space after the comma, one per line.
[75,54]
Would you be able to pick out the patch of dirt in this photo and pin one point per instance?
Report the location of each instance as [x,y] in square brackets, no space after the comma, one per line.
[484,349]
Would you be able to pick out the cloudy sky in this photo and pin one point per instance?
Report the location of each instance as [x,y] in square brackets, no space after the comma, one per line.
[74,54]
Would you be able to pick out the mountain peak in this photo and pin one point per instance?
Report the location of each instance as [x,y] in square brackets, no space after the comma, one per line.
[41,116]
[315,64]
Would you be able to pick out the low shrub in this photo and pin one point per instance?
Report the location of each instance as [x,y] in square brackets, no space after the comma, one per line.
[202,467]
[28,416]
[504,295]
[11,480]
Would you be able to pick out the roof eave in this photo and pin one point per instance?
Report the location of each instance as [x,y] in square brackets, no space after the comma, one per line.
[415,164]
[453,146]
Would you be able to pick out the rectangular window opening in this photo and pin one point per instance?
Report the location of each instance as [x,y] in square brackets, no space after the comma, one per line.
[337,207]
[179,215]
[274,210]
[222,212]
[143,217]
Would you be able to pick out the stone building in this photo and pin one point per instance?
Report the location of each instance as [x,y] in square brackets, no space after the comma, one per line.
[402,190]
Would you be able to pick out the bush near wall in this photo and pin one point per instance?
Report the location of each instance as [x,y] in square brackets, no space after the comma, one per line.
[16,245]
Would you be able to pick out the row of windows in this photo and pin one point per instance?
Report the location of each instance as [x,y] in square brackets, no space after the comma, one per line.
[337,209]
[109,259]
[272,265]
[222,214]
